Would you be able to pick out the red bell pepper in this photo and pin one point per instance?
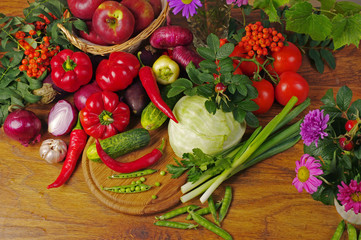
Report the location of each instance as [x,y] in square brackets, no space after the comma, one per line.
[104,115]
[117,72]
[70,70]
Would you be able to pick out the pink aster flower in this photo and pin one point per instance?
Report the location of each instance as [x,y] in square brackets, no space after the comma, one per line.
[237,2]
[188,7]
[350,196]
[313,127]
[306,171]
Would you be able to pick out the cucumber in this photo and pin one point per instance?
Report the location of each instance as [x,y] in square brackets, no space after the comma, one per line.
[120,144]
[153,118]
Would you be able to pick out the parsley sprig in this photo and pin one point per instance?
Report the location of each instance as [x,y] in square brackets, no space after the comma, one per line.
[217,67]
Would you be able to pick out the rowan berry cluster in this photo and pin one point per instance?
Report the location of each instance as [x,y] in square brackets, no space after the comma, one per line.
[260,40]
[40,25]
[36,60]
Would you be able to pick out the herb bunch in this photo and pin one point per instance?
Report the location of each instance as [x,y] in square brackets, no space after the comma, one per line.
[216,81]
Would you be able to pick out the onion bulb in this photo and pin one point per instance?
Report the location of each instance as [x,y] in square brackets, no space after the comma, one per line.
[62,118]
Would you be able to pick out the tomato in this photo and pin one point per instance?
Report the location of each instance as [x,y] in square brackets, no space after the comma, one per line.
[291,84]
[238,69]
[249,68]
[289,58]
[265,96]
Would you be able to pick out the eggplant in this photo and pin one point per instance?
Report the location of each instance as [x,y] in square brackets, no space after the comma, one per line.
[148,55]
[136,97]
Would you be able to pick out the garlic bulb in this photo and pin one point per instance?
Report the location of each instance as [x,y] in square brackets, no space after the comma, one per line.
[53,150]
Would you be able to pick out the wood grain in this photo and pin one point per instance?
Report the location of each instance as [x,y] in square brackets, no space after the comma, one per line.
[265,204]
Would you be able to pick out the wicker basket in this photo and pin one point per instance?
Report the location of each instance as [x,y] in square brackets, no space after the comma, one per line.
[129,46]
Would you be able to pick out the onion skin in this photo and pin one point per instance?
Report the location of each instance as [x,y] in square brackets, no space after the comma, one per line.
[83,93]
[183,56]
[23,126]
[171,36]
[62,118]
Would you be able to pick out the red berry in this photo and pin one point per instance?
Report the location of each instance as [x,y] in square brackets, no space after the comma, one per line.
[350,124]
[220,88]
[345,145]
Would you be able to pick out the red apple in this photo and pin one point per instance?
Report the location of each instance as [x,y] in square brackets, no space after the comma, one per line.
[83,9]
[113,22]
[142,11]
[157,7]
[92,36]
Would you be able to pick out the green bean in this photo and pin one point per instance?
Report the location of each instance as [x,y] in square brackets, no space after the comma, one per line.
[212,209]
[172,224]
[204,211]
[133,188]
[351,231]
[210,226]
[226,203]
[176,212]
[339,230]
[134,174]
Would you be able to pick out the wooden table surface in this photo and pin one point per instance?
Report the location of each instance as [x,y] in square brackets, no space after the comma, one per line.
[265,204]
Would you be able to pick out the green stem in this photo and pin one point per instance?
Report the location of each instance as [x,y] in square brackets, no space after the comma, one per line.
[323,10]
[16,41]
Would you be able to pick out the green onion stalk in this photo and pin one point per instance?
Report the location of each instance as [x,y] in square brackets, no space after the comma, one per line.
[262,144]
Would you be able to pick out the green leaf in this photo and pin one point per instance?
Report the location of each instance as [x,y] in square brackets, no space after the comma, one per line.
[232,88]
[346,162]
[301,19]
[325,43]
[193,73]
[314,43]
[182,82]
[226,65]
[328,57]
[174,91]
[344,97]
[206,77]
[56,10]
[346,30]
[81,25]
[354,110]
[209,65]
[316,57]
[210,106]
[347,8]
[270,7]
[242,89]
[325,149]
[206,53]
[248,105]
[213,42]
[327,4]
[324,195]
[225,51]
[205,90]
[239,114]
[328,98]
[252,120]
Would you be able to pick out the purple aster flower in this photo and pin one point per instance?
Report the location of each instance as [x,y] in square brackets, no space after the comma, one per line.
[306,170]
[350,196]
[188,7]
[313,127]
[237,2]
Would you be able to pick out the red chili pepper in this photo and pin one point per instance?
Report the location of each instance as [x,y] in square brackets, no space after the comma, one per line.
[143,162]
[149,82]
[78,139]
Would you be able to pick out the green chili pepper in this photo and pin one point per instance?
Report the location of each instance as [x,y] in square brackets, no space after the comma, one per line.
[339,230]
[176,212]
[133,174]
[210,226]
[204,211]
[172,224]
[133,188]
[226,203]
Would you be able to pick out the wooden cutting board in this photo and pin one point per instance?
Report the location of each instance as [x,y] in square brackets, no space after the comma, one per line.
[168,193]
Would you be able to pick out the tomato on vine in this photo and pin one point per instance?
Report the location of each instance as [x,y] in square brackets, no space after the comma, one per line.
[265,96]
[288,58]
[291,84]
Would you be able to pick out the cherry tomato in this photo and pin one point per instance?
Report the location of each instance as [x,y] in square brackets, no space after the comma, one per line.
[238,69]
[345,145]
[265,96]
[291,84]
[289,58]
[350,124]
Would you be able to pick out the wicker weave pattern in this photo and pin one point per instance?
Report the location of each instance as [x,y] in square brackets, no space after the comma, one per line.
[129,46]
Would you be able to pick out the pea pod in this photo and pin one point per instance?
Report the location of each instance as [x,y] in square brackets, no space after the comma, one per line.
[132,188]
[204,211]
[226,203]
[176,212]
[179,225]
[212,209]
[134,174]
[210,226]
[339,230]
[351,231]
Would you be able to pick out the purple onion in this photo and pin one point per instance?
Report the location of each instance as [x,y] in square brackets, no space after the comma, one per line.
[83,93]
[62,118]
[184,55]
[23,126]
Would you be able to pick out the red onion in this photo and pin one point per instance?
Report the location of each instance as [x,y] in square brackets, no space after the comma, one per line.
[83,93]
[62,118]
[184,55]
[23,126]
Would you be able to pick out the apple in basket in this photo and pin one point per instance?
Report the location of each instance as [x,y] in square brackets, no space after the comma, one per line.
[157,7]
[92,36]
[143,13]
[83,9]
[113,22]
